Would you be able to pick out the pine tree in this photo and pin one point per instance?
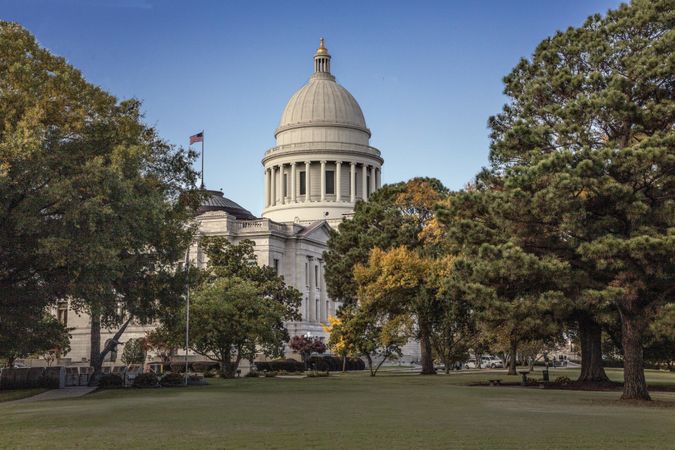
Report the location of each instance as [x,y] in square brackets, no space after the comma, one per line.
[587,141]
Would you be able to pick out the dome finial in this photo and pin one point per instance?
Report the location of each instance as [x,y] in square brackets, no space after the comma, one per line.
[322,50]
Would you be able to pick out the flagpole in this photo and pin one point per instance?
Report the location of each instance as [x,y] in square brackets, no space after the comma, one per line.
[202,159]
[187,311]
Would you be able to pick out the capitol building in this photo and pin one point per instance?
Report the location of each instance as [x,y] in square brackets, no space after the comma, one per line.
[321,165]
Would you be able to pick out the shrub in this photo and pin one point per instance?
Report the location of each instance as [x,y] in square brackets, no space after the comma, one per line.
[334,363]
[288,365]
[204,366]
[145,380]
[211,373]
[110,380]
[563,381]
[318,374]
[271,374]
[532,381]
[173,379]
[196,379]
[252,374]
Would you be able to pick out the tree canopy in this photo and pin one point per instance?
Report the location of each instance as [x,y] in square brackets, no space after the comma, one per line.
[582,172]
[237,308]
[94,203]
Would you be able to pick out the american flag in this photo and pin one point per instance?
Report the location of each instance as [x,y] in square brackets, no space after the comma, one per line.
[199,137]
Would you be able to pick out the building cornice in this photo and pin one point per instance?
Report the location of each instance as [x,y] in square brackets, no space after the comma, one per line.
[312,148]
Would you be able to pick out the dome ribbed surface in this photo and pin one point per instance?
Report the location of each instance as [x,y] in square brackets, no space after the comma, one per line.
[322,100]
[217,202]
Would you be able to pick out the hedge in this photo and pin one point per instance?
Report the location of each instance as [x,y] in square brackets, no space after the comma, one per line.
[288,365]
[334,363]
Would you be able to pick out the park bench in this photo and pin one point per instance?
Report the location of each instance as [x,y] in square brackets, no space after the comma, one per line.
[495,382]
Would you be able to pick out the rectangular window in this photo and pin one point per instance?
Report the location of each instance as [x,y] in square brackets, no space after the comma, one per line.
[330,182]
[276,266]
[62,313]
[316,277]
[285,185]
[303,183]
[368,185]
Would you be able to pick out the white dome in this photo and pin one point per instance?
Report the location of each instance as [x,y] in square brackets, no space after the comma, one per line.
[322,102]
[322,161]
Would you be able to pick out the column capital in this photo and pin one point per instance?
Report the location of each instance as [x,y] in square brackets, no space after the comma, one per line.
[352,163]
[323,162]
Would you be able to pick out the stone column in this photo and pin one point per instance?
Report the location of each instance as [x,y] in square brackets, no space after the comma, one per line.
[312,291]
[364,182]
[372,179]
[267,187]
[308,198]
[292,181]
[323,181]
[322,294]
[352,182]
[338,181]
[273,186]
[281,184]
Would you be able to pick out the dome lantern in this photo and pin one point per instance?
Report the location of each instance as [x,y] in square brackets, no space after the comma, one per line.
[322,59]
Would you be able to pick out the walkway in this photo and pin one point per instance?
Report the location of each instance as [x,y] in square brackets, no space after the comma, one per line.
[57,394]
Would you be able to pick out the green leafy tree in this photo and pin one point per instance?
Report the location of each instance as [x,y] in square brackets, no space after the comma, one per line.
[588,138]
[363,333]
[27,334]
[237,309]
[95,204]
[661,348]
[515,294]
[396,216]
[454,330]
[134,352]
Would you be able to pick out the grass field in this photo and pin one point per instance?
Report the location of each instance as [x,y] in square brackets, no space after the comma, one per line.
[395,410]
[8,396]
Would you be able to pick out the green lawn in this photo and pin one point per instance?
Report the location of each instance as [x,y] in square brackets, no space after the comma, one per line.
[395,410]
[6,396]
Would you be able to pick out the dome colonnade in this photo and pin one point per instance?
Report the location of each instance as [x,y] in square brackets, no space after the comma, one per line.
[322,163]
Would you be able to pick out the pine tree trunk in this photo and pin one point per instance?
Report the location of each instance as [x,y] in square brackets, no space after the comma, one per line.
[512,361]
[590,338]
[635,386]
[426,352]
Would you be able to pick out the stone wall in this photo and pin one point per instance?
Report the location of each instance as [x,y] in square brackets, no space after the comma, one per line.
[33,377]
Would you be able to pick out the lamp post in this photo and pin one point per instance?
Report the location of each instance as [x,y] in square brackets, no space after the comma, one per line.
[305,355]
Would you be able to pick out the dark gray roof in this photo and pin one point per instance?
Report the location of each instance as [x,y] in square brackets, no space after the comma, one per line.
[217,202]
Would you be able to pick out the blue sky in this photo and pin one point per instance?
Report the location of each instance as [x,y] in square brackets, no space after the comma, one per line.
[426,74]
